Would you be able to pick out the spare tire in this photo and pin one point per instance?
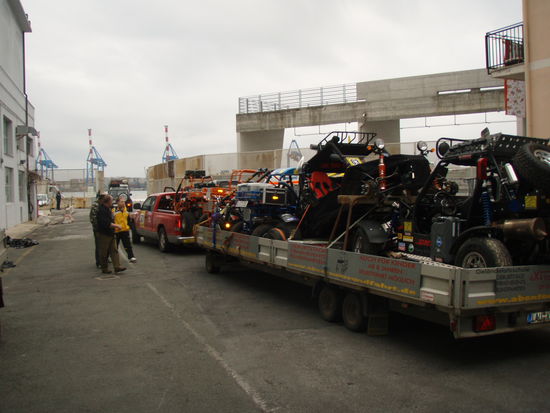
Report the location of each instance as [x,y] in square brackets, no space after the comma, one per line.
[532,163]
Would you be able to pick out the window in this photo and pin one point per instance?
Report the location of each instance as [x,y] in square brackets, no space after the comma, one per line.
[22,186]
[7,132]
[9,184]
[30,147]
[148,204]
[166,203]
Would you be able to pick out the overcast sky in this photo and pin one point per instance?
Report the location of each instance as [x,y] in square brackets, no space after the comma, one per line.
[125,68]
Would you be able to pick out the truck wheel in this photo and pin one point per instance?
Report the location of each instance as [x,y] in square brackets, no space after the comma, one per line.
[352,313]
[136,238]
[262,230]
[329,304]
[532,163]
[483,252]
[163,243]
[211,263]
[360,243]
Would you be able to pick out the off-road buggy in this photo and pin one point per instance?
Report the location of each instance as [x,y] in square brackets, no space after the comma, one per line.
[485,204]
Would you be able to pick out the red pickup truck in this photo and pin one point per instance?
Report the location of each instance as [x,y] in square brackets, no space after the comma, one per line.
[156,220]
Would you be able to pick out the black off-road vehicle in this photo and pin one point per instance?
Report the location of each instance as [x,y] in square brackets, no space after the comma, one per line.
[485,204]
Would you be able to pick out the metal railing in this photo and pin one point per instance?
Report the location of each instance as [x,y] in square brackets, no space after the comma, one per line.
[302,98]
[504,47]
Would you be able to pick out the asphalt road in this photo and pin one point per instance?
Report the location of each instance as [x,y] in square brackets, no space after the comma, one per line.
[167,336]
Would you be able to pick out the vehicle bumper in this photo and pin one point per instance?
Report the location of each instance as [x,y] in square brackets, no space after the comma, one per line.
[181,240]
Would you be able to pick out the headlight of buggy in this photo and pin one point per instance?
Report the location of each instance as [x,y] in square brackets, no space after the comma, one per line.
[379,143]
[422,146]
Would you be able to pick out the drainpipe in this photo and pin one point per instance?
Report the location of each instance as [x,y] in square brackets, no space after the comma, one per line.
[30,207]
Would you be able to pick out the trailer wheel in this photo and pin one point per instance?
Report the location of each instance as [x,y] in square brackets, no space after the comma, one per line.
[261,230]
[532,163]
[483,252]
[352,313]
[360,243]
[211,263]
[329,304]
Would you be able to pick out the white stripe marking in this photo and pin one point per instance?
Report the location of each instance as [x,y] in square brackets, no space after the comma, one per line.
[212,352]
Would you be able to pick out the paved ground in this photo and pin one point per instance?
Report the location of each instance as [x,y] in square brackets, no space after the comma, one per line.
[166,336]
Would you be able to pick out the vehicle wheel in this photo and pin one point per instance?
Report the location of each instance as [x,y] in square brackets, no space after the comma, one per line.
[211,263]
[532,163]
[352,313]
[163,243]
[187,222]
[136,238]
[329,304]
[360,243]
[483,252]
[261,230]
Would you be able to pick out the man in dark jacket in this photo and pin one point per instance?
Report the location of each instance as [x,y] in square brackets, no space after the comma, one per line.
[106,236]
[93,221]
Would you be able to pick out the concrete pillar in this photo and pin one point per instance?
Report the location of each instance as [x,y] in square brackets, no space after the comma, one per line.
[388,130]
[100,181]
[258,141]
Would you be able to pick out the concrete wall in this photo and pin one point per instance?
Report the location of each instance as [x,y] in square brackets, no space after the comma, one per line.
[21,151]
[536,17]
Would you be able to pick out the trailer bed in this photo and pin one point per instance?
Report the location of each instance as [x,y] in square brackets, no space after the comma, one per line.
[512,298]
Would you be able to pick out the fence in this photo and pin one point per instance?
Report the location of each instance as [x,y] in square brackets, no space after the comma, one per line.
[504,47]
[302,98]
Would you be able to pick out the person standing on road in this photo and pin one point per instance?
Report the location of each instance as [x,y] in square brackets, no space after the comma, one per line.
[93,221]
[123,234]
[58,197]
[106,232]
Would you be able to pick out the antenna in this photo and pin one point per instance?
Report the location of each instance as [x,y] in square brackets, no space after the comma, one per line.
[169,153]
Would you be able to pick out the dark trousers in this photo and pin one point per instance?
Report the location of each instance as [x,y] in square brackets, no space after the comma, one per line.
[58,202]
[124,236]
[107,247]
[96,241]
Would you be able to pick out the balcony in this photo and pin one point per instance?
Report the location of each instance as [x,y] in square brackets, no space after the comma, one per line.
[504,52]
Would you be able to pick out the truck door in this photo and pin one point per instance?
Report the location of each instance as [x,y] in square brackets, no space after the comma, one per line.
[146,216]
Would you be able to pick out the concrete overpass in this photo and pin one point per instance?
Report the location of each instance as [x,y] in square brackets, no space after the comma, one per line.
[376,105]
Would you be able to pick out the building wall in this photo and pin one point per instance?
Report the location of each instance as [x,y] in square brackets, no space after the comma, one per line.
[536,17]
[15,154]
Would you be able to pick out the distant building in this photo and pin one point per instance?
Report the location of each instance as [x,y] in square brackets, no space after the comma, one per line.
[17,151]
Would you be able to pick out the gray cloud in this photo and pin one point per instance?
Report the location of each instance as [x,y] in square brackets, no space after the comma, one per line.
[126,68]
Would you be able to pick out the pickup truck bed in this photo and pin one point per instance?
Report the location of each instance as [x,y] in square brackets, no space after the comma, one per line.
[471,302]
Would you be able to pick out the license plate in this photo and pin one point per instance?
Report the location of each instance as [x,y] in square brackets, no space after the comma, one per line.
[540,317]
[241,204]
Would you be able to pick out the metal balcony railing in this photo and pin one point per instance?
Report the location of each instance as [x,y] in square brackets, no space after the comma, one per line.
[302,98]
[504,47]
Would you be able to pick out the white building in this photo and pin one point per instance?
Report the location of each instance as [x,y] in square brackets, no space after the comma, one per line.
[17,150]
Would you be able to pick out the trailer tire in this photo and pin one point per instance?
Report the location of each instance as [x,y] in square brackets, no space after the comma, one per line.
[360,243]
[329,304]
[211,263]
[532,163]
[483,252]
[352,313]
[261,230]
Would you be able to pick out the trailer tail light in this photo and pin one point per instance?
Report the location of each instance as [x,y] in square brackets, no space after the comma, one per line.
[227,225]
[178,223]
[482,168]
[484,323]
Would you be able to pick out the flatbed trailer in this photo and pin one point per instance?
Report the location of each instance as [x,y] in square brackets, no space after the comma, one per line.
[364,288]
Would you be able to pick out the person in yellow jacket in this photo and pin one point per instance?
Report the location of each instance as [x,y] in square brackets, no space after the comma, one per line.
[123,232]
